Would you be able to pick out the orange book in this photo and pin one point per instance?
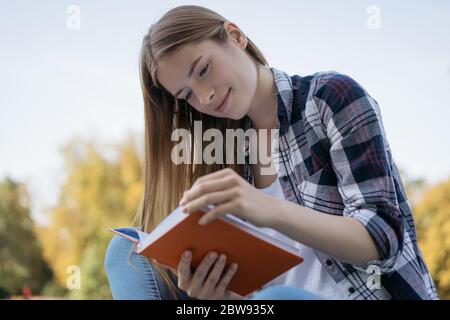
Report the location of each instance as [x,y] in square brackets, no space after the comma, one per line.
[259,256]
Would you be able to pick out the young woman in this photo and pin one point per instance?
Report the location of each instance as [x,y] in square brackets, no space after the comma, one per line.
[331,188]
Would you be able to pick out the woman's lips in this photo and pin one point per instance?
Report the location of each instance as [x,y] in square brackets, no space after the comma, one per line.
[224,104]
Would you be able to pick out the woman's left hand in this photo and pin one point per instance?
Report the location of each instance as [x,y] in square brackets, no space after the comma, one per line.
[229,193]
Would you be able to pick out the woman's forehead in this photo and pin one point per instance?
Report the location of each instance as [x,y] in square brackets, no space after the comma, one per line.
[175,66]
[187,52]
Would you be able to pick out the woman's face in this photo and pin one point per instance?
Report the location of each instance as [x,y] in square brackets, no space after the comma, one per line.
[217,70]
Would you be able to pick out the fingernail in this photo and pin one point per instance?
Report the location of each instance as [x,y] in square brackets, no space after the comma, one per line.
[187,254]
[202,221]
[212,255]
[234,266]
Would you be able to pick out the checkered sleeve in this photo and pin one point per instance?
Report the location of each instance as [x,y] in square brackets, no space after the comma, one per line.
[360,158]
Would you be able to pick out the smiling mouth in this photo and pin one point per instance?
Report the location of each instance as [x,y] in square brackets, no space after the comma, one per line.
[224,103]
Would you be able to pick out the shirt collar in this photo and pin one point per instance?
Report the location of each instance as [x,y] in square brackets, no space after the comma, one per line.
[283,84]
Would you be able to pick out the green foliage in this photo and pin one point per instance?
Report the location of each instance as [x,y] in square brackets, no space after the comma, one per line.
[21,260]
[53,289]
[102,189]
[94,283]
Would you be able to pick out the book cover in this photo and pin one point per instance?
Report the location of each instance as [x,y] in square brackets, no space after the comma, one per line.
[259,256]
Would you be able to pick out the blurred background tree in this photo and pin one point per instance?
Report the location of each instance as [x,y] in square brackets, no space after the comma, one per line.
[102,189]
[22,264]
[432,216]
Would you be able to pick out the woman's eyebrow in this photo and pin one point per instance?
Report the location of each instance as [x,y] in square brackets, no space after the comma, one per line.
[190,73]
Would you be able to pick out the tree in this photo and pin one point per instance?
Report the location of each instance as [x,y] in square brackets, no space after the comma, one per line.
[93,281]
[102,189]
[21,259]
[432,215]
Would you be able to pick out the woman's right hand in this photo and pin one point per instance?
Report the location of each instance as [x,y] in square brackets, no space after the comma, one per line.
[204,285]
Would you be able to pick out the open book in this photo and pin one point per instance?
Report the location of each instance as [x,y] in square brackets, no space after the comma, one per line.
[259,256]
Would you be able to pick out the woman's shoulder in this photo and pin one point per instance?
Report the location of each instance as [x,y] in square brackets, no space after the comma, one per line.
[333,77]
[336,87]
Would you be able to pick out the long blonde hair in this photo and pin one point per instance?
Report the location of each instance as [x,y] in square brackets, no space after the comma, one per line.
[165,181]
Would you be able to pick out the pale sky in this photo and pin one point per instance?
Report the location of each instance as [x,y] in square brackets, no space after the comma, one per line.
[57,83]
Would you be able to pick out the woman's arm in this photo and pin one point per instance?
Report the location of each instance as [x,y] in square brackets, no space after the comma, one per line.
[343,238]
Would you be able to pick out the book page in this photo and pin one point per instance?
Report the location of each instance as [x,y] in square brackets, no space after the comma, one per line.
[142,235]
[259,233]
[131,233]
[168,223]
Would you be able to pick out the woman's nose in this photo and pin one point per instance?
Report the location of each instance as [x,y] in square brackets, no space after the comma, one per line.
[205,97]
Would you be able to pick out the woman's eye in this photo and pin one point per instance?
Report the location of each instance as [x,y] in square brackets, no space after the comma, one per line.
[188,96]
[204,70]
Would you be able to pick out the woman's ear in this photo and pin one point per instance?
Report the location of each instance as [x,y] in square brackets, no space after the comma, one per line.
[236,34]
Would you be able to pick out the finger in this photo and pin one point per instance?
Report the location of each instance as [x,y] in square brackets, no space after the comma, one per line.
[184,270]
[203,188]
[213,278]
[223,283]
[200,273]
[213,198]
[211,185]
[215,212]
[216,174]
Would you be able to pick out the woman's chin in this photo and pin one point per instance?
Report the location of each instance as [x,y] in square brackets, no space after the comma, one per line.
[236,115]
[232,116]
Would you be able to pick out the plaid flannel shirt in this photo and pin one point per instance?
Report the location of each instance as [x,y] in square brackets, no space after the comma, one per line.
[332,155]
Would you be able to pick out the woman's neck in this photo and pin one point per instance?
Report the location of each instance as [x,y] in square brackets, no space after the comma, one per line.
[263,113]
[263,110]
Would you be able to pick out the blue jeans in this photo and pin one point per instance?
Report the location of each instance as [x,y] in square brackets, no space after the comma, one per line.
[132,277]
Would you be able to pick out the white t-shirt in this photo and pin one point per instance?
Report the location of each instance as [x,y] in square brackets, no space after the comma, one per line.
[310,274]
